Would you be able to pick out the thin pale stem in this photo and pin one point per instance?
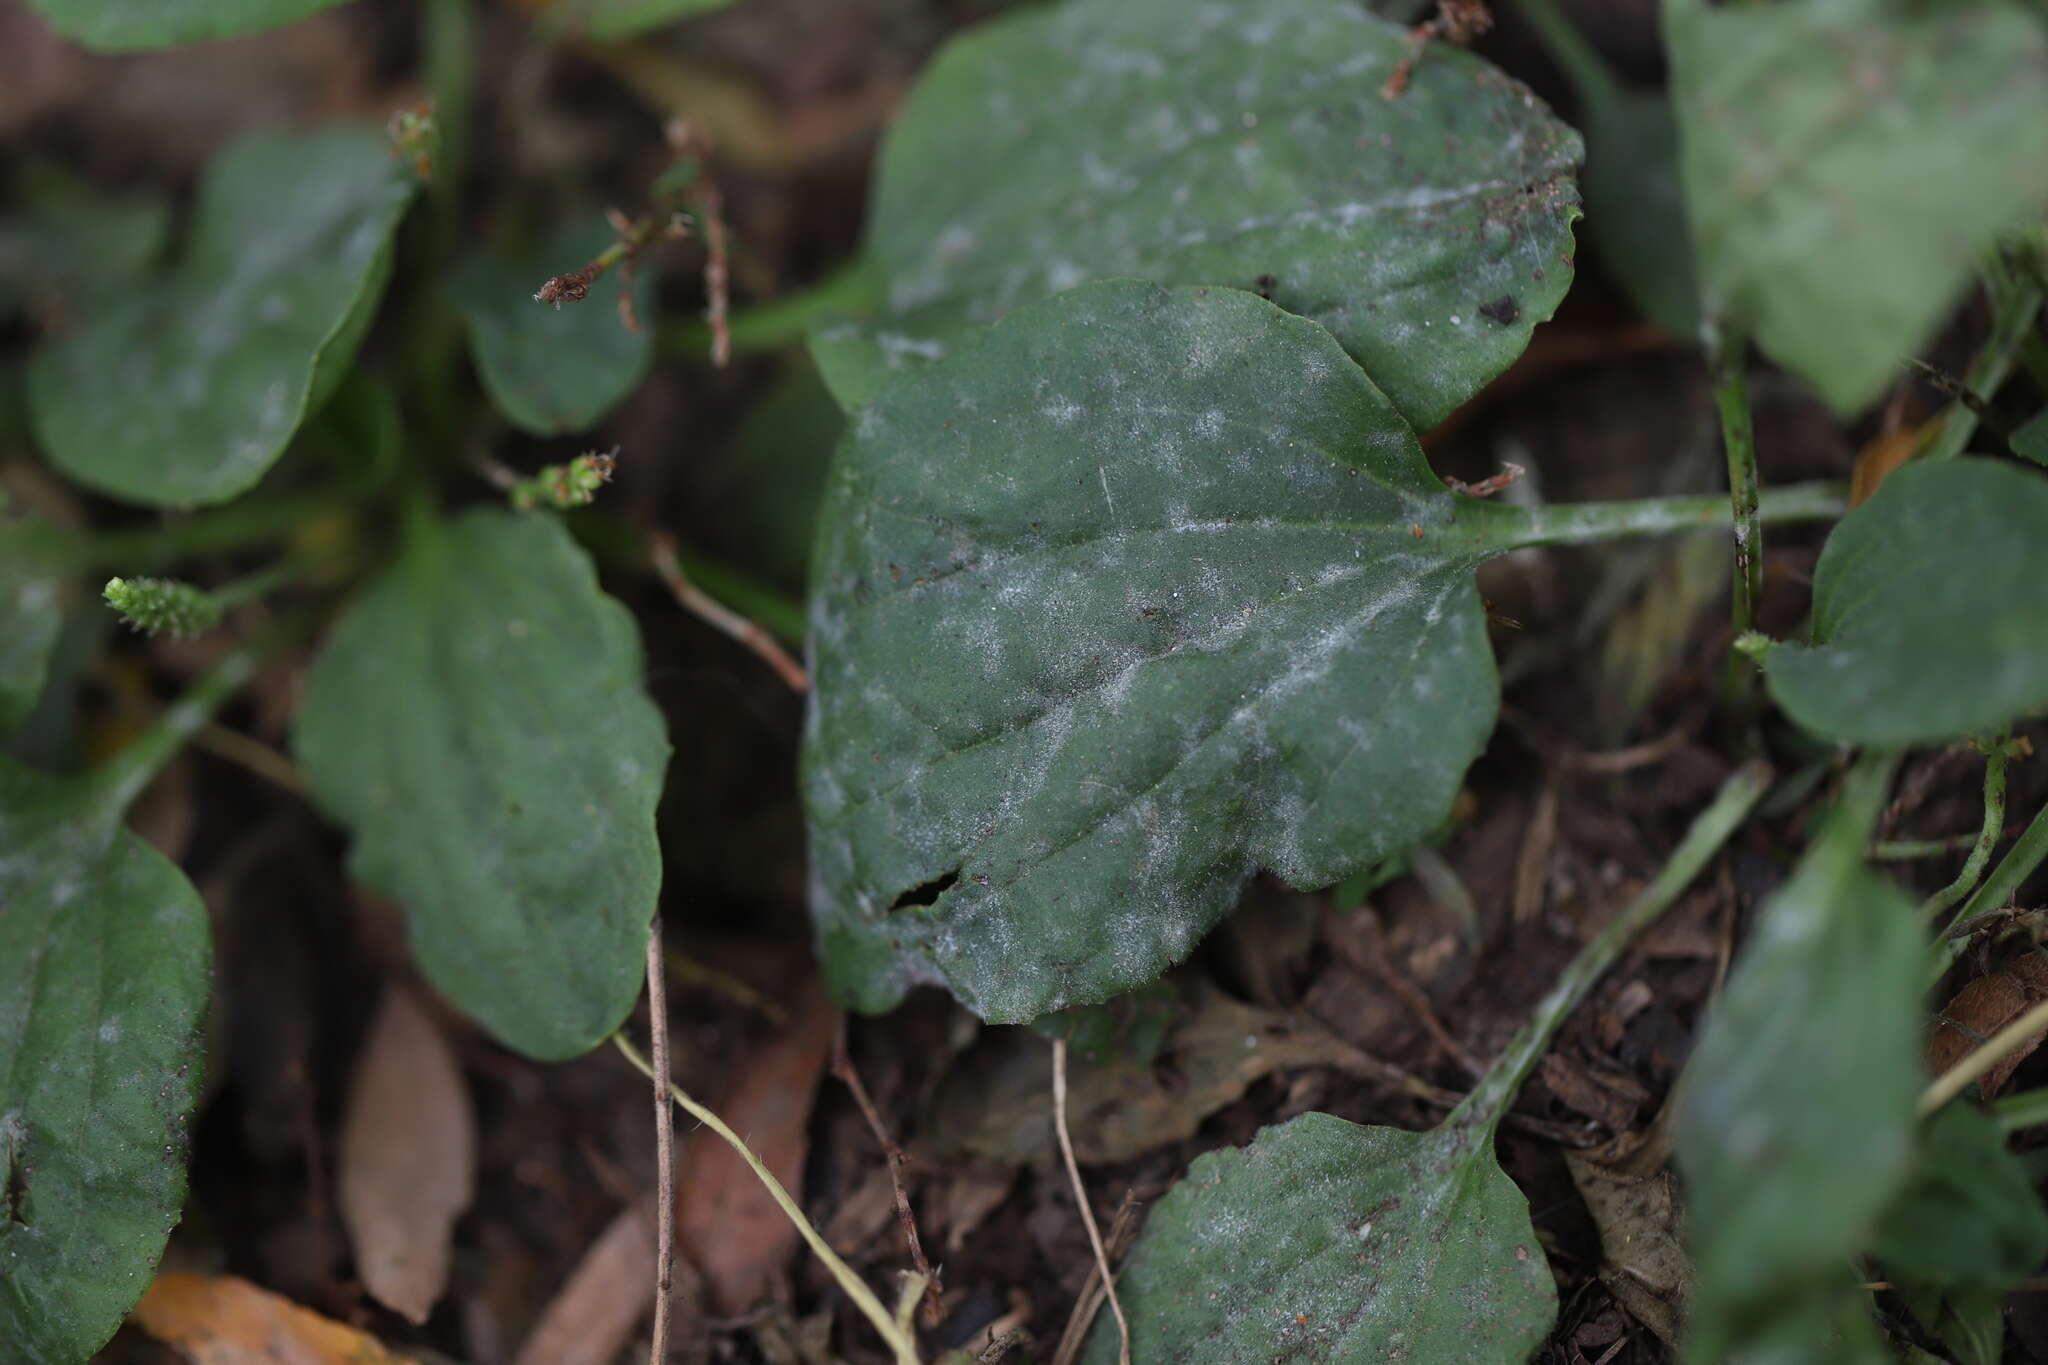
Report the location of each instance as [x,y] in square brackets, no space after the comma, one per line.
[1987,838]
[664,1148]
[1738,795]
[783,322]
[123,776]
[900,1344]
[1102,1266]
[251,755]
[261,583]
[1506,527]
[1996,1049]
[662,553]
[2015,303]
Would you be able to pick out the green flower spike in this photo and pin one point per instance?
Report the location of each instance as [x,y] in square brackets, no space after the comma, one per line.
[566,485]
[163,604]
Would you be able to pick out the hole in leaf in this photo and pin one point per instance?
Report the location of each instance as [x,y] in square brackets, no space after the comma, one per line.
[925,893]
[14,1189]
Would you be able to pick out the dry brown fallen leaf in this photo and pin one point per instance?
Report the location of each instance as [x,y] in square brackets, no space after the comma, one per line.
[997,1103]
[728,1230]
[1635,1206]
[1983,1007]
[223,1320]
[408,1157]
[589,1321]
[727,1225]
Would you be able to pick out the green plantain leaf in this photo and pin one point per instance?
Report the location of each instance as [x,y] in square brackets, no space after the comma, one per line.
[2030,438]
[1928,619]
[127,26]
[217,362]
[1324,1240]
[70,248]
[103,987]
[1635,209]
[1100,628]
[476,719]
[1327,1241]
[31,614]
[554,370]
[1846,161]
[1970,1215]
[1966,1230]
[1221,144]
[1804,1080]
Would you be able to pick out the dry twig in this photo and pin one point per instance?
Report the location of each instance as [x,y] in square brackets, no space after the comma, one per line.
[893,1156]
[1059,1123]
[661,549]
[1457,21]
[1123,1230]
[664,1147]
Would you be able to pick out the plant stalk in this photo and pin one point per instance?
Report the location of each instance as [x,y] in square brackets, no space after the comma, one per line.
[2004,882]
[1588,523]
[123,776]
[2015,303]
[1987,837]
[1496,1089]
[1726,350]
[448,53]
[900,1344]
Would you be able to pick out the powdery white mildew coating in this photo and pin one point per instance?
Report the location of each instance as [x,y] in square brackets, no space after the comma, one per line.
[1146,590]
[1324,1240]
[219,360]
[103,987]
[1242,143]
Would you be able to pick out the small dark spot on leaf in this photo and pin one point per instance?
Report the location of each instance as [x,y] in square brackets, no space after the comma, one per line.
[926,893]
[1502,310]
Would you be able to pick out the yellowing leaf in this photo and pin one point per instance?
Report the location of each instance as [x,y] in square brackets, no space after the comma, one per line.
[225,1320]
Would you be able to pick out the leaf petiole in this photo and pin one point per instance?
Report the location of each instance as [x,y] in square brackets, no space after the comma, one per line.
[123,776]
[1711,829]
[1507,527]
